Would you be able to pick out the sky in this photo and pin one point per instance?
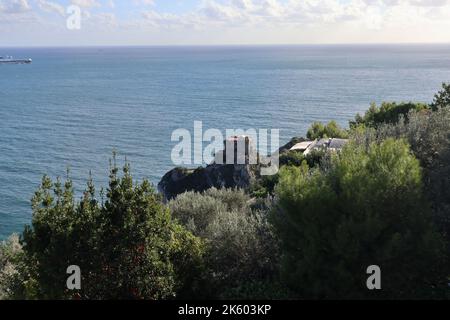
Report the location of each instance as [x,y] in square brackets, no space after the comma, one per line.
[222,22]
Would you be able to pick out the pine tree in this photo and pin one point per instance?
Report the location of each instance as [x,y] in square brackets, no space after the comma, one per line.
[127,245]
[442,98]
[366,209]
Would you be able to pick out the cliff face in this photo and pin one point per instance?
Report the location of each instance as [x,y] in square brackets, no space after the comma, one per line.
[180,180]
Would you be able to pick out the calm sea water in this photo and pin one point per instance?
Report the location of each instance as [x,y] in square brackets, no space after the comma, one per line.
[72,107]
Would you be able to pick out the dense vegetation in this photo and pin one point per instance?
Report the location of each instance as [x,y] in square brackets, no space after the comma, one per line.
[442,98]
[127,245]
[308,232]
[329,130]
[241,248]
[388,112]
[366,208]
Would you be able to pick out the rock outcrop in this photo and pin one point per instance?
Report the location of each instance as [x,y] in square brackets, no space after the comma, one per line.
[237,169]
[215,175]
[180,180]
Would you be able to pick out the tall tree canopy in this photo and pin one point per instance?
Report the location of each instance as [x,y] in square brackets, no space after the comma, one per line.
[366,209]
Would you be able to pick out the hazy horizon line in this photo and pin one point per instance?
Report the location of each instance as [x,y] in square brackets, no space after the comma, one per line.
[226,45]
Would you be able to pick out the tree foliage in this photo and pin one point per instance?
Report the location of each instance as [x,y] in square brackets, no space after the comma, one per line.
[126,245]
[388,112]
[442,98]
[366,209]
[429,137]
[330,130]
[309,232]
[11,268]
[241,250]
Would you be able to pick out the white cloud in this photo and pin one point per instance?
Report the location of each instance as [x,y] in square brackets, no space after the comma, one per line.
[370,14]
[14,6]
[254,21]
[147,2]
[429,3]
[86,3]
[49,6]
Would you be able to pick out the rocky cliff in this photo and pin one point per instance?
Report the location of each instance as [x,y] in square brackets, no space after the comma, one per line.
[180,180]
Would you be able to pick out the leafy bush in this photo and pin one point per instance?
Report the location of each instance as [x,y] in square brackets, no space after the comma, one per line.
[330,130]
[126,245]
[442,98]
[198,211]
[429,137]
[264,186]
[241,247]
[291,158]
[389,112]
[11,256]
[366,208]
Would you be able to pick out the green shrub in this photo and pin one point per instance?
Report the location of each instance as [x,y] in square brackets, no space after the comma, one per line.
[126,245]
[264,187]
[367,208]
[291,158]
[240,245]
[388,112]
[429,137]
[330,130]
[198,211]
[11,259]
[442,98]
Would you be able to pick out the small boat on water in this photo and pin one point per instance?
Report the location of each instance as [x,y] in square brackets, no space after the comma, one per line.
[11,60]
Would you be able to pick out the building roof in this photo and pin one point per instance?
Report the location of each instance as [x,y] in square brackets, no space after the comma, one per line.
[302,146]
[337,143]
[326,143]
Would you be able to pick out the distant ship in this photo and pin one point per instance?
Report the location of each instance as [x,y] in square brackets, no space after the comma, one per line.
[11,60]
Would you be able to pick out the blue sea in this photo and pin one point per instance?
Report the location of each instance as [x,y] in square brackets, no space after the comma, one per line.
[72,107]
